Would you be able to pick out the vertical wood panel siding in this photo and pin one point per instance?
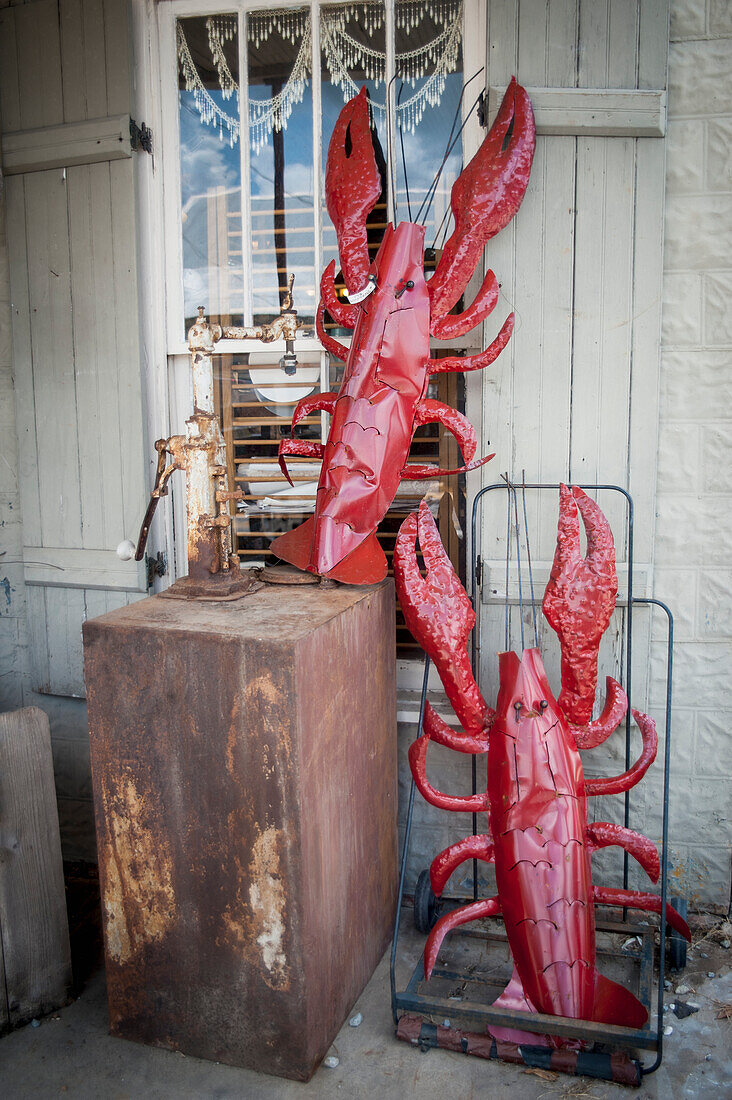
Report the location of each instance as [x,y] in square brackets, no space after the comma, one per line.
[575,394]
[74,289]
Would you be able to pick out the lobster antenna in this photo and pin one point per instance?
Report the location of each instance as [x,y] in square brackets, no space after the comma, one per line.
[507,645]
[528,555]
[433,187]
[518,564]
[404,157]
[445,217]
[392,173]
[441,226]
[451,141]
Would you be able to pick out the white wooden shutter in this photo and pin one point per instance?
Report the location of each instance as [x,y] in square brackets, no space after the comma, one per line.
[575,394]
[64,102]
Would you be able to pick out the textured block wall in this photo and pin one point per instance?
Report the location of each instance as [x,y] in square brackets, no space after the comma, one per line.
[693,561]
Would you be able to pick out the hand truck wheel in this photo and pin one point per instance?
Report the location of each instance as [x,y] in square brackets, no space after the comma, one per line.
[425,904]
[676,942]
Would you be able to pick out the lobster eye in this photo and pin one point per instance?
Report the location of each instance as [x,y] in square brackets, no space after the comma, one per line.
[543,704]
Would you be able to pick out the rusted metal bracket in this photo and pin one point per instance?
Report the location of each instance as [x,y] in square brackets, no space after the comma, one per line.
[141,137]
[156,566]
[213,568]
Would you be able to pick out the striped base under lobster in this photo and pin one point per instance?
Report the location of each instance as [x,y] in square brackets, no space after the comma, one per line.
[617,1067]
[540,840]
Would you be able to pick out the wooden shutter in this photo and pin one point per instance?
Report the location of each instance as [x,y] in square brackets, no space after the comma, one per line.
[575,394]
[65,100]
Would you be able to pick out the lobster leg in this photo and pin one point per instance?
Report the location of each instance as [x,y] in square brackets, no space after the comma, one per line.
[443,865]
[437,729]
[307,447]
[474,362]
[311,403]
[634,899]
[425,473]
[445,328]
[616,784]
[490,907]
[333,347]
[429,411]
[324,401]
[604,834]
[594,733]
[344,314]
[470,803]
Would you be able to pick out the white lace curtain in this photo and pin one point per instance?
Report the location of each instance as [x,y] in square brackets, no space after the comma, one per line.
[343,54]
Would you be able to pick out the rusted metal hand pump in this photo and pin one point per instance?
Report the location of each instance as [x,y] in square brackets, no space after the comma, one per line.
[213,568]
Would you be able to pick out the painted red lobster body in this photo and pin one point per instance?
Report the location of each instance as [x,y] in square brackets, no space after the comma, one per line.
[393,312]
[384,380]
[373,413]
[538,818]
[540,840]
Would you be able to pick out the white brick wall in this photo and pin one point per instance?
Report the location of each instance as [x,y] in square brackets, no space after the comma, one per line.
[694,518]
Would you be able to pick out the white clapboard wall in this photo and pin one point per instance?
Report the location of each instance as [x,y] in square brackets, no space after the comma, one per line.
[67,162]
[575,394]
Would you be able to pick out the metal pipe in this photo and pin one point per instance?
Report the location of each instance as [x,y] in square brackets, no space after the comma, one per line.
[405,850]
[664,831]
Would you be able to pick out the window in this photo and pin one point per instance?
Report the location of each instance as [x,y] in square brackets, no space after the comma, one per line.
[258,92]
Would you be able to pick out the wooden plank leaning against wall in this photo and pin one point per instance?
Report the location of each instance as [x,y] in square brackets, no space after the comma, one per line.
[35,957]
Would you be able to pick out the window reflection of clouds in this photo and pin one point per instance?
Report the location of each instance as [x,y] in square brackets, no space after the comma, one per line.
[210,164]
[205,158]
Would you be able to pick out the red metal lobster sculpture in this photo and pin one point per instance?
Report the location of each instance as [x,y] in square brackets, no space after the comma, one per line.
[393,311]
[540,840]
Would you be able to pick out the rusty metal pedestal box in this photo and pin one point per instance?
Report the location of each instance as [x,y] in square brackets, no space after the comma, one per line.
[244,765]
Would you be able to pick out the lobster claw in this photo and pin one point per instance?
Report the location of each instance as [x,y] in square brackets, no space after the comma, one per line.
[485,196]
[580,598]
[439,614]
[352,186]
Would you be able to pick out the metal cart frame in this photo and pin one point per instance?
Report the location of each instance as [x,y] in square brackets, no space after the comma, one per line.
[412,1000]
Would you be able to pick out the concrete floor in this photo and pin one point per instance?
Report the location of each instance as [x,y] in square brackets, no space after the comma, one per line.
[71,1055]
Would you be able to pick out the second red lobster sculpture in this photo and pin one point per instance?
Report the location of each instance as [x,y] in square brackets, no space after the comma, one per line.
[540,840]
[393,311]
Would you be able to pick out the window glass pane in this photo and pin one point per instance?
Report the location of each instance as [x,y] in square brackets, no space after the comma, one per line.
[281,161]
[255,401]
[430,79]
[208,100]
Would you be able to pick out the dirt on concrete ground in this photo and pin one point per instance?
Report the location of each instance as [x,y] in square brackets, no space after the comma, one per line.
[70,1054]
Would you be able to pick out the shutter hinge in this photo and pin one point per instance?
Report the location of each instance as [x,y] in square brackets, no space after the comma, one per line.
[482,111]
[140,137]
[478,571]
[156,567]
